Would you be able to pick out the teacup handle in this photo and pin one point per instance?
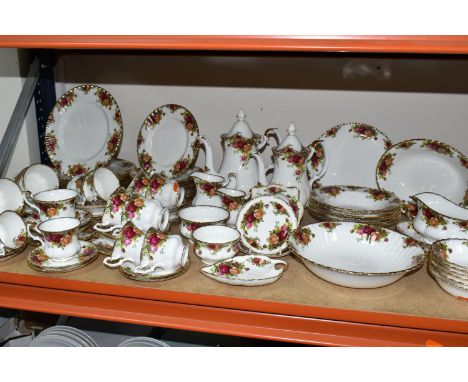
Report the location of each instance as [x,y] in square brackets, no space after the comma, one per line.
[102,227]
[143,270]
[230,177]
[114,263]
[279,264]
[35,237]
[29,201]
[163,222]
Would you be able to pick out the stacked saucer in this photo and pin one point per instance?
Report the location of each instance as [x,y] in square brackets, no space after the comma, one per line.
[356,204]
[449,266]
[63,336]
[142,342]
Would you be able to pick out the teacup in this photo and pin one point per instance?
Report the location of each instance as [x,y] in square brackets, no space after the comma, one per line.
[100,184]
[168,192]
[58,237]
[232,200]
[127,247]
[113,212]
[54,204]
[76,183]
[12,233]
[215,243]
[11,196]
[39,177]
[192,218]
[162,251]
[144,213]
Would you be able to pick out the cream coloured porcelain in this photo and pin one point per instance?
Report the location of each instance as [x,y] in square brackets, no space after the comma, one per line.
[115,207]
[215,243]
[453,251]
[127,247]
[39,177]
[58,237]
[452,287]
[239,145]
[12,233]
[265,224]
[290,194]
[167,192]
[99,185]
[53,204]
[83,130]
[406,228]
[207,186]
[248,270]
[232,201]
[192,218]
[356,255]
[11,197]
[438,218]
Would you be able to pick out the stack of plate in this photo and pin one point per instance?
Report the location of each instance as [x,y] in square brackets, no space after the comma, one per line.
[142,342]
[449,266]
[356,204]
[63,336]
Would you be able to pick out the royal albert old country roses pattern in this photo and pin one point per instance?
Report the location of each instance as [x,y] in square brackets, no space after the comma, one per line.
[265,224]
[83,131]
[419,165]
[167,143]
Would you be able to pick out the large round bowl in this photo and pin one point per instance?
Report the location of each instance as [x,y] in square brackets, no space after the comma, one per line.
[356,255]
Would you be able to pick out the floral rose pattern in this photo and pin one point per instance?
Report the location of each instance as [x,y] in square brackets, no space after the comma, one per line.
[141,184]
[332,191]
[154,118]
[146,160]
[409,242]
[463,225]
[405,145]
[20,239]
[387,143]
[104,98]
[241,145]
[52,210]
[253,216]
[318,156]
[331,133]
[209,189]
[228,268]
[133,207]
[465,199]
[370,233]
[77,169]
[278,209]
[232,203]
[303,236]
[189,122]
[113,143]
[156,183]
[130,234]
[329,226]
[180,167]
[295,159]
[66,100]
[117,203]
[463,160]
[436,146]
[60,240]
[363,131]
[279,235]
[433,219]
[51,142]
[385,165]
[153,243]
[192,226]
[258,261]
[378,194]
[443,250]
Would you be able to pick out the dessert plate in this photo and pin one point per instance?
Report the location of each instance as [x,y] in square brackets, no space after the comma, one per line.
[265,224]
[249,270]
[356,255]
[276,189]
[83,131]
[423,165]
[168,142]
[39,261]
[353,150]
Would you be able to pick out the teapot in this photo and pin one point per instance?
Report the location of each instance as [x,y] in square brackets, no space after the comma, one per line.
[292,165]
[239,145]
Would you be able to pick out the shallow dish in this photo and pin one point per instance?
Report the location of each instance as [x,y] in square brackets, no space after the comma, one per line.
[168,142]
[249,270]
[454,252]
[353,150]
[356,255]
[265,224]
[421,165]
[83,131]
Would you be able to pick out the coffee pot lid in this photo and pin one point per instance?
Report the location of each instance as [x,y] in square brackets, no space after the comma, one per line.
[291,139]
[241,127]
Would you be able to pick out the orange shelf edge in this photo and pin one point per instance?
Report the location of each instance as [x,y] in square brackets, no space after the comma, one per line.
[356,44]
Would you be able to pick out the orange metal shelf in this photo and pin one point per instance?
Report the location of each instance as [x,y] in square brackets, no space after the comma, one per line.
[357,44]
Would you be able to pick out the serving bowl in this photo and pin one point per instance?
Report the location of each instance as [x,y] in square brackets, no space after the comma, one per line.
[356,255]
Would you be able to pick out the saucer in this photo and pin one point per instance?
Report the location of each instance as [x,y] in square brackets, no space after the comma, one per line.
[12,253]
[104,244]
[39,261]
[84,217]
[127,270]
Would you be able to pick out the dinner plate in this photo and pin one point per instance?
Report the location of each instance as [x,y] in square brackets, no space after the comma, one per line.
[424,165]
[168,141]
[352,151]
[83,131]
[265,224]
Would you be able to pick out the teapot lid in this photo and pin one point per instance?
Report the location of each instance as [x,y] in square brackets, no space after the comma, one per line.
[241,127]
[291,139]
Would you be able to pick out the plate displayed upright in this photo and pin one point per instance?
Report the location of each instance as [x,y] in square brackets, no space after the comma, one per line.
[168,142]
[353,150]
[83,131]
[265,224]
[424,165]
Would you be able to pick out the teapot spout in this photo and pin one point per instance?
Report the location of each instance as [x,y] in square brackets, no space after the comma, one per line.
[260,169]
[209,161]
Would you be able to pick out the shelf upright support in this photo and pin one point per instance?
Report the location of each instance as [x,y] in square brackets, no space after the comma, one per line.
[10,138]
[44,98]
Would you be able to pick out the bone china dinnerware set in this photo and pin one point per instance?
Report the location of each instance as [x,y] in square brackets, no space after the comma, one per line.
[353,181]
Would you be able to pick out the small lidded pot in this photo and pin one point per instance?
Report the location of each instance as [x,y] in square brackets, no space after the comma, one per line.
[215,243]
[192,218]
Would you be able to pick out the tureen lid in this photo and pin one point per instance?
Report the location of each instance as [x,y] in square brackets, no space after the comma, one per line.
[241,127]
[291,139]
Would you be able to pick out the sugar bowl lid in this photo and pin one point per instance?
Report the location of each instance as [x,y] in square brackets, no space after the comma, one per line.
[241,127]
[291,139]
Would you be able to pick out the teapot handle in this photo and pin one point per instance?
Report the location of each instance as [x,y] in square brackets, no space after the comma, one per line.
[317,161]
[266,135]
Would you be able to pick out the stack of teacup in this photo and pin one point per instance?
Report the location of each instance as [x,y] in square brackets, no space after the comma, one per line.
[449,265]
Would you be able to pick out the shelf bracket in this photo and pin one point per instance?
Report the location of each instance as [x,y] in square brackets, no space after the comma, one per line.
[13,129]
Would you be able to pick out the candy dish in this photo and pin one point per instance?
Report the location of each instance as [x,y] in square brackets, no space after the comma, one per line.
[83,131]
[192,218]
[438,218]
[265,224]
[248,270]
[406,228]
[39,261]
[356,255]
[352,151]
[424,165]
